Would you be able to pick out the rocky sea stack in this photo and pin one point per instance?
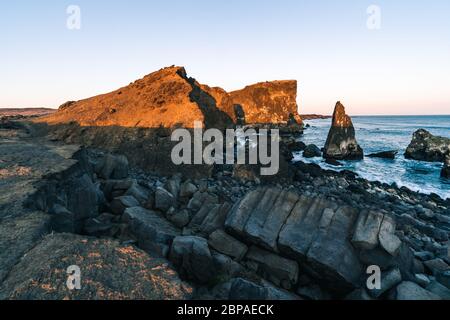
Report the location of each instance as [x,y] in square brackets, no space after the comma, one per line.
[427,147]
[341,142]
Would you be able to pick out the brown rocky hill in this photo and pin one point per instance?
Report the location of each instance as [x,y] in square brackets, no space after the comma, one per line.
[169,98]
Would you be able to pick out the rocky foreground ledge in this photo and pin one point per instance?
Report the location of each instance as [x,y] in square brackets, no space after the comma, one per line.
[141,236]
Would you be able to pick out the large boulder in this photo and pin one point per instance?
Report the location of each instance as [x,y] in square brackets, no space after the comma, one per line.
[341,142]
[153,233]
[280,271]
[260,216]
[427,147]
[445,173]
[226,244]
[193,259]
[312,151]
[109,271]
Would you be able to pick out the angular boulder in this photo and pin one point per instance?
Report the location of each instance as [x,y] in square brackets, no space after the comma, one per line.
[226,244]
[427,147]
[312,151]
[280,271]
[260,216]
[341,142]
[153,233]
[193,259]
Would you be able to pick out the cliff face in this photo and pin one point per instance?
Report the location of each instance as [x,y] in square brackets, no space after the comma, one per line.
[262,103]
[169,98]
[341,142]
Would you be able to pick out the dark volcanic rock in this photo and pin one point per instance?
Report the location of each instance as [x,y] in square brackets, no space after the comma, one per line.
[153,232]
[384,154]
[312,151]
[426,147]
[192,257]
[341,142]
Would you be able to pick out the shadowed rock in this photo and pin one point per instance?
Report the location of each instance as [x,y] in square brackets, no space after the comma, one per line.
[341,142]
[109,271]
[426,147]
[384,155]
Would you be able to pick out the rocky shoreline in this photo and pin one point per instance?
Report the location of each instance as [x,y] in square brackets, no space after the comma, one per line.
[307,234]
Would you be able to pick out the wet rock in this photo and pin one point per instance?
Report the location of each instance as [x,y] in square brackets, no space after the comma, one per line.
[113,167]
[126,272]
[164,200]
[226,244]
[312,151]
[280,271]
[384,155]
[193,259]
[341,142]
[333,162]
[410,291]
[367,230]
[426,147]
[153,233]
[120,204]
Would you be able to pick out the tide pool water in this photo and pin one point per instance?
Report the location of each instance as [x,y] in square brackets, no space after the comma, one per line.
[383,133]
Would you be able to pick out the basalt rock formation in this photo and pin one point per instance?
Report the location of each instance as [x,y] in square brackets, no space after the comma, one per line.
[169,98]
[427,147]
[341,142]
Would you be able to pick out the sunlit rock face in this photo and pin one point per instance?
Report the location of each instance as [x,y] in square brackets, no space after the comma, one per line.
[169,98]
[341,142]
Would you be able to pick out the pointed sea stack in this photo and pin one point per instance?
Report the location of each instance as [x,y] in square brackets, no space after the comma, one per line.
[341,143]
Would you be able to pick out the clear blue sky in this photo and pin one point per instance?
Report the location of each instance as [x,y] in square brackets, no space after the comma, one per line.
[403,68]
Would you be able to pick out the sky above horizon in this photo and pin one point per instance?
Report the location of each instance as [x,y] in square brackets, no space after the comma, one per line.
[401,68]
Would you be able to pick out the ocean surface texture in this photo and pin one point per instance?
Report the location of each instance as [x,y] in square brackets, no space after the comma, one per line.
[383,133]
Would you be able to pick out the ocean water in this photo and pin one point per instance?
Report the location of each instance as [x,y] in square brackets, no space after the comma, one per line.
[383,133]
